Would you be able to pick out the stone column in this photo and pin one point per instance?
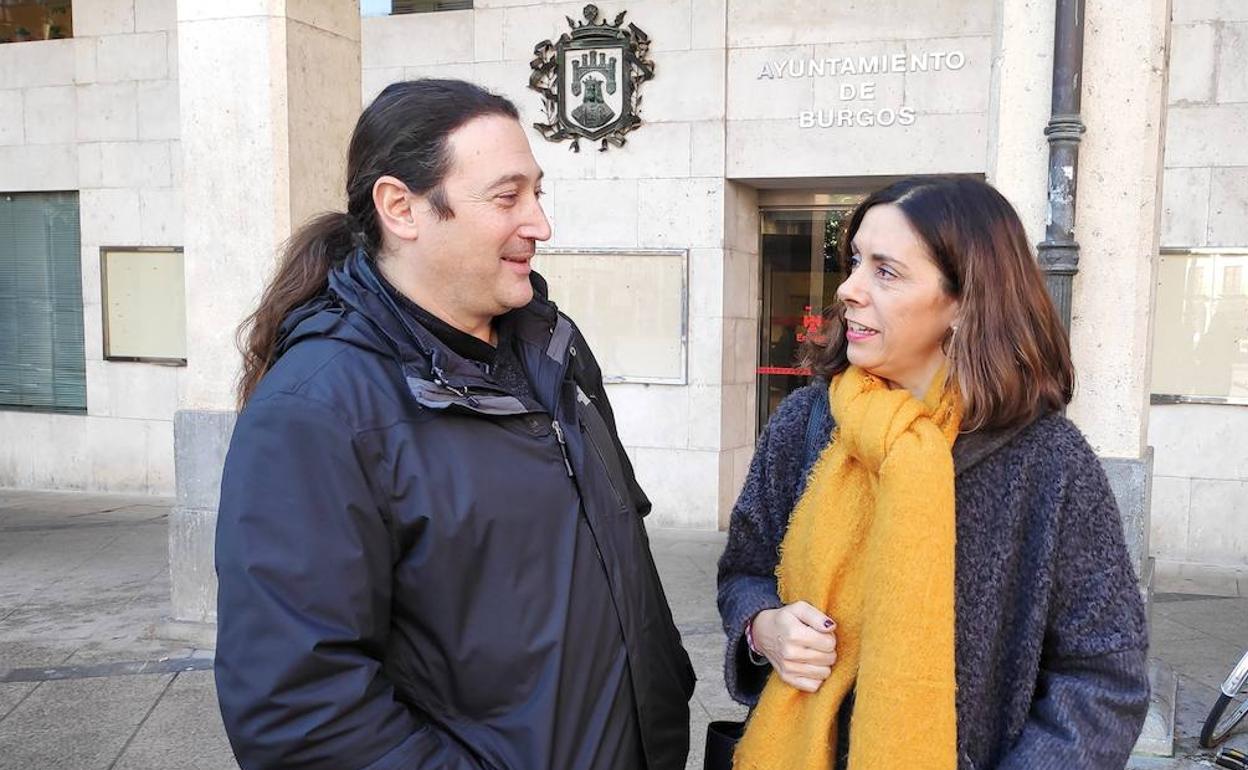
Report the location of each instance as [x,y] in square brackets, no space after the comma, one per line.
[1124,98]
[270,90]
[1022,74]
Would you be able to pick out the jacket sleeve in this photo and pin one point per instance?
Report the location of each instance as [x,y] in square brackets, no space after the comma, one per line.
[303,558]
[1092,694]
[747,570]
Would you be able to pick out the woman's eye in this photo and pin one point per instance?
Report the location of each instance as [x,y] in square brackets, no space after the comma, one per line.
[885,273]
[854,261]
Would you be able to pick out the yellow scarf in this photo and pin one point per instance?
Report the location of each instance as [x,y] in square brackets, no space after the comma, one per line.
[871,543]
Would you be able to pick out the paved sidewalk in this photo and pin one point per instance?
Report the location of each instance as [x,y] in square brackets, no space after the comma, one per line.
[85,685]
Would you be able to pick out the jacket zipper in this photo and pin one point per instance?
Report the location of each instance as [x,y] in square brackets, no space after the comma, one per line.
[563,445]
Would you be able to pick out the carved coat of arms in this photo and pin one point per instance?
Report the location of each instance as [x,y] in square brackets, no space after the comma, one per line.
[590,80]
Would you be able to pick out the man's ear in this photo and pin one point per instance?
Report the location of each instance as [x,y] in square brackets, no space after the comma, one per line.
[396,208]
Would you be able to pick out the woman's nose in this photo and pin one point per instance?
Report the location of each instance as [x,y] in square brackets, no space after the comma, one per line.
[850,291]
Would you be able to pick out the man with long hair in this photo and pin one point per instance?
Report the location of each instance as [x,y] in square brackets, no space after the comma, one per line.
[430,545]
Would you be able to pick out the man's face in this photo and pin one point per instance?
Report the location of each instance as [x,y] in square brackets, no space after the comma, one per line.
[478,261]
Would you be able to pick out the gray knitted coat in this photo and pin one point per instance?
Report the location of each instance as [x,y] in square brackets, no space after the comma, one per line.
[1051,641]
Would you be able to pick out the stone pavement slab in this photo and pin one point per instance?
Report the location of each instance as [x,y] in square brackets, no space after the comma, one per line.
[84,586]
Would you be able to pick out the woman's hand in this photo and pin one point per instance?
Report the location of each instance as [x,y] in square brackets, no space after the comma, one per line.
[800,643]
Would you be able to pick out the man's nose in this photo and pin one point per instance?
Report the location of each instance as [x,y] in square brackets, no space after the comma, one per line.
[537,226]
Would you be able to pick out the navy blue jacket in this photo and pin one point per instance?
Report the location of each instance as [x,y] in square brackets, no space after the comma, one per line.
[1050,629]
[394,546]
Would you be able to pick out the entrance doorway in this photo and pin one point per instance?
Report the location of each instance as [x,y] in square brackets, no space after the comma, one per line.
[801,270]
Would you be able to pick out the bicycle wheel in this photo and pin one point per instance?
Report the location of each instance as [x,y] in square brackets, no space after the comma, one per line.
[1229,709]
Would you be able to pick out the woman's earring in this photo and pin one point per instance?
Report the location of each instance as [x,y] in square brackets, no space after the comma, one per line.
[946,346]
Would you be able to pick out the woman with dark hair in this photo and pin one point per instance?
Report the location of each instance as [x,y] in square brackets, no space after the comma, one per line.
[926,566]
[430,548]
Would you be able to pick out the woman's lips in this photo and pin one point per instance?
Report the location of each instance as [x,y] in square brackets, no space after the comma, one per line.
[856,332]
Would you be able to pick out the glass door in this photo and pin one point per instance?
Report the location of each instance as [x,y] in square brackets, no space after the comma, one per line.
[801,272]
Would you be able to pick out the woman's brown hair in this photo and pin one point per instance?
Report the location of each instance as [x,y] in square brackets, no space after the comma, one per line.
[1010,355]
[405,133]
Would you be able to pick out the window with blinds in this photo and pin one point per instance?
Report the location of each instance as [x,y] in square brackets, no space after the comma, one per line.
[42,362]
[391,7]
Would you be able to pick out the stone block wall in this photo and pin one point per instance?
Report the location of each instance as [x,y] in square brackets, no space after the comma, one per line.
[1200,486]
[98,114]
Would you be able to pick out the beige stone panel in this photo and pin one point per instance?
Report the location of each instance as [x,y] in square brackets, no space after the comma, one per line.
[1185,206]
[597,213]
[173,55]
[1228,207]
[35,455]
[140,391]
[108,112]
[230,248]
[706,148]
[795,22]
[739,298]
[653,150]
[706,283]
[43,63]
[1199,441]
[50,115]
[92,315]
[158,110]
[706,350]
[1118,222]
[337,17]
[934,144]
[229,9]
[1193,52]
[132,57]
[736,413]
[487,34]
[705,416]
[90,164]
[155,15]
[667,23]
[751,97]
[741,215]
[99,395]
[52,167]
[651,415]
[109,217]
[1209,10]
[104,17]
[1019,104]
[690,88]
[710,24]
[84,60]
[321,67]
[12,117]
[160,467]
[966,89]
[479,4]
[741,352]
[680,213]
[459,71]
[374,81]
[160,212]
[1233,62]
[683,484]
[118,451]
[557,160]
[408,40]
[71,464]
[1171,504]
[1207,135]
[1218,523]
[741,459]
[134,164]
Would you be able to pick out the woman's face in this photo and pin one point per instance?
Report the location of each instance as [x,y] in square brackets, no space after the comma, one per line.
[897,311]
